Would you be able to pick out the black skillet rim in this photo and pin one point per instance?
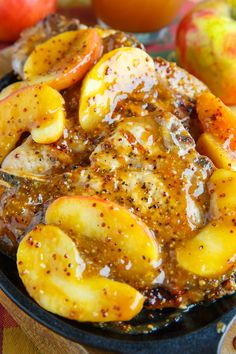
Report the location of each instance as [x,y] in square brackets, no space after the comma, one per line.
[195,319]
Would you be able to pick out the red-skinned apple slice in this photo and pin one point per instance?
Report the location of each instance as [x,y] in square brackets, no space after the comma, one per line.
[219,124]
[217,119]
[108,226]
[36,109]
[118,75]
[52,269]
[64,59]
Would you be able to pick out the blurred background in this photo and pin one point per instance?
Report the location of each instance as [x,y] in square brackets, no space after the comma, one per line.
[154,22]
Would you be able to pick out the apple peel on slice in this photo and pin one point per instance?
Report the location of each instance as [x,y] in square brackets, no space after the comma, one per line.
[217,119]
[218,141]
[118,75]
[132,245]
[51,269]
[63,60]
[7,91]
[36,109]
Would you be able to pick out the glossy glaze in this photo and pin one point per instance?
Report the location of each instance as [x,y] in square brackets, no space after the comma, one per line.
[142,158]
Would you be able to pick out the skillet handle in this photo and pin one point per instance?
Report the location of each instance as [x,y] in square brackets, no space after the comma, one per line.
[227,344]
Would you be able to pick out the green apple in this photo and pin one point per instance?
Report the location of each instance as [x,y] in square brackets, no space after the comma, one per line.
[206,46]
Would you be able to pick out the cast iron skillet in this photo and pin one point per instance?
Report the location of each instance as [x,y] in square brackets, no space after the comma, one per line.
[192,320]
[107,338]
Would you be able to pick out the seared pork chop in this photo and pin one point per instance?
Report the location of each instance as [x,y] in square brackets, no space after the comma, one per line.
[150,165]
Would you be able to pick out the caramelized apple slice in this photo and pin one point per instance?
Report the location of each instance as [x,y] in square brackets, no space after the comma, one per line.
[12,88]
[119,74]
[64,59]
[212,252]
[35,109]
[217,119]
[222,186]
[104,32]
[51,269]
[129,244]
[212,147]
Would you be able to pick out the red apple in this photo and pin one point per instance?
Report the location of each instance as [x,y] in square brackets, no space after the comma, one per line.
[206,46]
[16,15]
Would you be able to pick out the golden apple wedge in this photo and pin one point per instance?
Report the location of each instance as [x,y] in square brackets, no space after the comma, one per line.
[217,119]
[222,186]
[212,252]
[63,60]
[119,74]
[130,246]
[51,269]
[7,91]
[211,146]
[35,109]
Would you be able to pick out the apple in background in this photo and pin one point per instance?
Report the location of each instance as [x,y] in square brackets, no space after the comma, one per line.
[16,15]
[206,46]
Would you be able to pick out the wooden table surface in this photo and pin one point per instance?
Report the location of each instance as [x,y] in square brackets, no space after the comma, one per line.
[46,341]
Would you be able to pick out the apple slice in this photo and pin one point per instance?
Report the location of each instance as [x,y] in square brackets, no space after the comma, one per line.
[222,186]
[212,252]
[130,247]
[7,91]
[213,148]
[63,60]
[35,109]
[105,32]
[119,74]
[217,119]
[52,269]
